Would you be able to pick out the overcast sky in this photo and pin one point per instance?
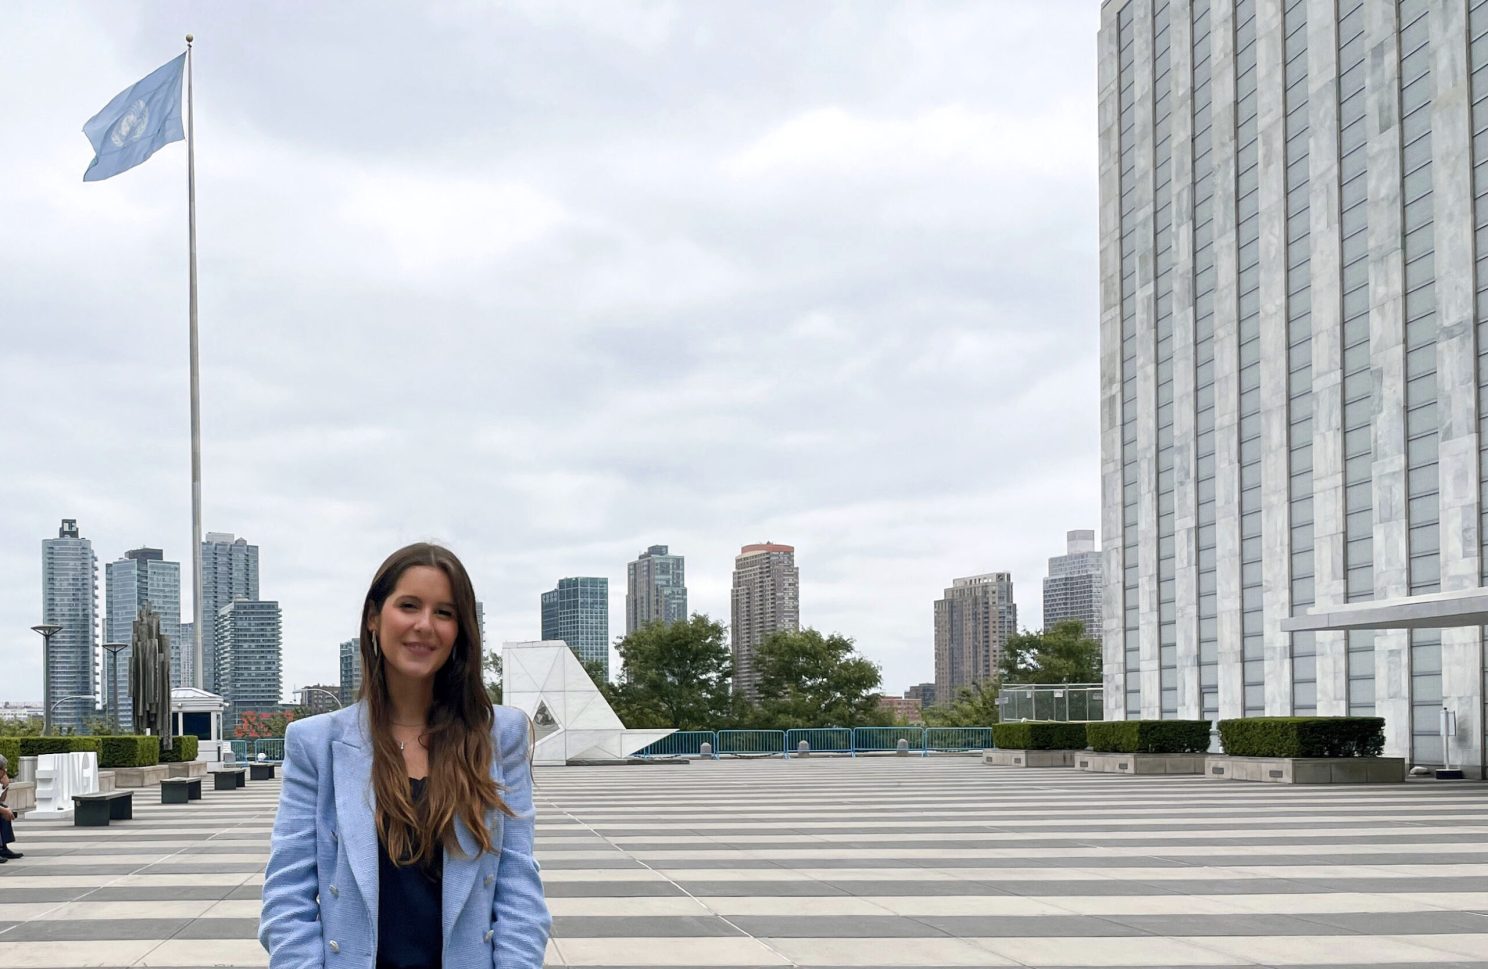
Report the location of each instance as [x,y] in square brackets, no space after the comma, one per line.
[553,281]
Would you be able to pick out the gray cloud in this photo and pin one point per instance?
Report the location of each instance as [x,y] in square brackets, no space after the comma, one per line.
[555,281]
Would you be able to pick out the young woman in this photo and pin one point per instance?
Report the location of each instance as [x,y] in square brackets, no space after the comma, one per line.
[404,838]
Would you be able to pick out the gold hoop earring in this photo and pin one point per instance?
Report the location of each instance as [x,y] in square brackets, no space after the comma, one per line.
[375,650]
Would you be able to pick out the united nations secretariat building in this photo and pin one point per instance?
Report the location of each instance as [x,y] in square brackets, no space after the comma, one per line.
[1294,362]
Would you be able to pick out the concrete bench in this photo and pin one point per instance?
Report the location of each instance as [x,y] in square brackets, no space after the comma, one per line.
[261,772]
[179,790]
[230,779]
[97,810]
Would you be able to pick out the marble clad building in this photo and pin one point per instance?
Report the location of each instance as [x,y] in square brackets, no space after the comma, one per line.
[1294,355]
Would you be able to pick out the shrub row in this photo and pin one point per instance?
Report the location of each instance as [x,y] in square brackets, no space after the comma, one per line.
[1248,737]
[1303,736]
[1149,736]
[126,751]
[1039,735]
[185,750]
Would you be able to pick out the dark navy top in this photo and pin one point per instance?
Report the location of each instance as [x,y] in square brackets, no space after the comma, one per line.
[410,909]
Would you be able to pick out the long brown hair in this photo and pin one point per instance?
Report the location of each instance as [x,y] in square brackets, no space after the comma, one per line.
[459,735]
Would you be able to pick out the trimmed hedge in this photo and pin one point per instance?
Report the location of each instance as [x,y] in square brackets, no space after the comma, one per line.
[185,749]
[1303,736]
[129,751]
[1039,735]
[10,747]
[1149,736]
[36,746]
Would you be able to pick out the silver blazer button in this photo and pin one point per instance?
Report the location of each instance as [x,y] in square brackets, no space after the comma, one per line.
[333,946]
[489,933]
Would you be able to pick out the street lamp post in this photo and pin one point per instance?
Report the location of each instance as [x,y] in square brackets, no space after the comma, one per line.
[51,707]
[315,689]
[47,631]
[113,701]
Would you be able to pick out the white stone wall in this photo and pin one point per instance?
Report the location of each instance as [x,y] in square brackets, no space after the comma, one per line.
[1456,361]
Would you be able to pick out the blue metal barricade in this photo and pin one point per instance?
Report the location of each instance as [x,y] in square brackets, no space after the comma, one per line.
[683,743]
[820,740]
[885,740]
[271,747]
[751,743]
[239,750]
[958,739]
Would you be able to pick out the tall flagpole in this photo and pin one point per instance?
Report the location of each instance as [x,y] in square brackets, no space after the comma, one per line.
[198,674]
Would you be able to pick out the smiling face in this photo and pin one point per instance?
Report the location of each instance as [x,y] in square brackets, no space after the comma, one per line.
[416,627]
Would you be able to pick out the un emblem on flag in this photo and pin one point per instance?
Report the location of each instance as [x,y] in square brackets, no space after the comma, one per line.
[132,126]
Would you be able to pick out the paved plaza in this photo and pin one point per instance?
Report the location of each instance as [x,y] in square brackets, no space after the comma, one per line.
[871,862]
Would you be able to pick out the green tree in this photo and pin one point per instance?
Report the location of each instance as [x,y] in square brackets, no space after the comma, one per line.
[1062,654]
[974,706]
[30,727]
[810,680]
[491,668]
[674,675]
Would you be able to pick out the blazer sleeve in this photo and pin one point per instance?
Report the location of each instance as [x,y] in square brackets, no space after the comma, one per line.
[289,927]
[520,912]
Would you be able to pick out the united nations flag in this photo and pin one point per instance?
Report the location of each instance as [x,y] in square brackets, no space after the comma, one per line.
[139,120]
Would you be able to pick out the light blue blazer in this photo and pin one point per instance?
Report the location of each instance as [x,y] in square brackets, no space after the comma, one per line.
[321,886]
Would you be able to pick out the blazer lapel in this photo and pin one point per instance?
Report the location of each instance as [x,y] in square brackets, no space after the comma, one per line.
[351,753]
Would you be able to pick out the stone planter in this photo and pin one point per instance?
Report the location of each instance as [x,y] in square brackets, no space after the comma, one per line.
[1108,763]
[21,797]
[190,768]
[125,777]
[1306,770]
[106,782]
[1030,758]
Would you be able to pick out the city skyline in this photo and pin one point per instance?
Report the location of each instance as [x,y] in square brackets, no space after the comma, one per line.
[718,307]
[237,564]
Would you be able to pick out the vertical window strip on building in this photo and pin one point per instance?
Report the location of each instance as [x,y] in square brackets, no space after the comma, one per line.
[1477,28]
[1162,101]
[1131,603]
[1422,473]
[1358,386]
[1247,201]
[1204,284]
[1299,349]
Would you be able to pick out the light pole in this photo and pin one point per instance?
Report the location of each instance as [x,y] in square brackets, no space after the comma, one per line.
[315,689]
[113,651]
[61,700]
[47,631]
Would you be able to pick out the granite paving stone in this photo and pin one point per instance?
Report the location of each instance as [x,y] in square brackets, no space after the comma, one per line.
[866,863]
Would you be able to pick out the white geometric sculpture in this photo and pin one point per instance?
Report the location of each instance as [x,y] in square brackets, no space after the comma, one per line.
[546,681]
[60,776]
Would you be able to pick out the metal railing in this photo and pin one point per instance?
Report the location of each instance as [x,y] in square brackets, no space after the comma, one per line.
[683,743]
[885,740]
[1067,702]
[957,740]
[851,742]
[819,740]
[751,743]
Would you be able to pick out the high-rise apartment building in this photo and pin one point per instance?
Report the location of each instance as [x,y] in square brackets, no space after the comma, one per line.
[1294,360]
[655,589]
[1074,588]
[972,624]
[69,598]
[351,671]
[141,576]
[249,656]
[229,573]
[578,612]
[766,599]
